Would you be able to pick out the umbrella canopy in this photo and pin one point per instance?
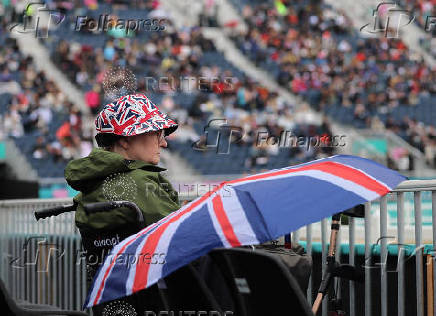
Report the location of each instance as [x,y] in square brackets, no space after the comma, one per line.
[246,211]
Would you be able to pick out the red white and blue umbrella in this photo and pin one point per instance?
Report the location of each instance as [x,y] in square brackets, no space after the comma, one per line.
[246,211]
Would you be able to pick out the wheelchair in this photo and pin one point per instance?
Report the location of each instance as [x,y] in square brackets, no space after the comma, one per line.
[169,295]
[188,288]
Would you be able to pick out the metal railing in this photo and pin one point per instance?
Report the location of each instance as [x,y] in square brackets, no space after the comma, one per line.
[404,221]
[41,261]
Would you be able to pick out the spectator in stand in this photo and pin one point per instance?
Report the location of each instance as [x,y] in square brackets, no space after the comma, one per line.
[39,151]
[93,100]
[12,122]
[258,156]
[109,51]
[5,75]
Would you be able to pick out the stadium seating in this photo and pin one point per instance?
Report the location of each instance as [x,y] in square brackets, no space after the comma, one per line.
[207,163]
[305,75]
[241,157]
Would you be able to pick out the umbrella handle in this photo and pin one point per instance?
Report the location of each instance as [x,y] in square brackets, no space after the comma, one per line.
[335,226]
[317,303]
[328,277]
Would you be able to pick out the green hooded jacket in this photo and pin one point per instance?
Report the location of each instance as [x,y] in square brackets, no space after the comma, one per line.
[104,176]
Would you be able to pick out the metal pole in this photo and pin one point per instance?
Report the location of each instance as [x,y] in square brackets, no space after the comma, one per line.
[65,280]
[43,264]
[400,265]
[433,213]
[78,274]
[383,255]
[83,271]
[295,238]
[28,268]
[22,218]
[351,262]
[10,246]
[33,275]
[71,273]
[17,254]
[2,249]
[324,260]
[37,273]
[418,256]
[55,264]
[368,263]
[337,285]
[309,253]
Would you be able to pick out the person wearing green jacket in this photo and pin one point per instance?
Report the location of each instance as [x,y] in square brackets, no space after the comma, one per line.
[130,134]
[106,175]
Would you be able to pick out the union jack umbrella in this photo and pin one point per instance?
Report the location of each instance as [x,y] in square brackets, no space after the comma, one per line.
[247,211]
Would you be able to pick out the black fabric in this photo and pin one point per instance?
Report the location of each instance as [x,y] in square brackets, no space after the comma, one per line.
[260,283]
[216,281]
[97,245]
[197,298]
[148,300]
[298,263]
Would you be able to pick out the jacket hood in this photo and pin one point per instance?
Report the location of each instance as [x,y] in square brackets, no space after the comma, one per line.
[83,174]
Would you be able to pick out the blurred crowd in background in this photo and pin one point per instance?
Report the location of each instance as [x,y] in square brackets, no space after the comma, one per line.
[424,12]
[314,52]
[310,49]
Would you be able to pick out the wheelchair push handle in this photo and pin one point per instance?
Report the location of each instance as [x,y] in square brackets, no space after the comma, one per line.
[54,211]
[110,205]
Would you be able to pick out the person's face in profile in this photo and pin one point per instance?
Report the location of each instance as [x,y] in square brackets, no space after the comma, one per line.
[146,147]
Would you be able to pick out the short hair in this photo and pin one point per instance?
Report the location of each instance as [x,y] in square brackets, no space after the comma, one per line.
[107,139]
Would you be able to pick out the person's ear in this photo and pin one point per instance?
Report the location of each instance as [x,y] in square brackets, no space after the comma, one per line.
[124,143]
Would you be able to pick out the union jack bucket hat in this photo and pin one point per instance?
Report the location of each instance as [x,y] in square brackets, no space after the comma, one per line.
[130,115]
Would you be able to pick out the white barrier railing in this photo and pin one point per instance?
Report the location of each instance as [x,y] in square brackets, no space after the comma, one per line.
[395,220]
[41,261]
